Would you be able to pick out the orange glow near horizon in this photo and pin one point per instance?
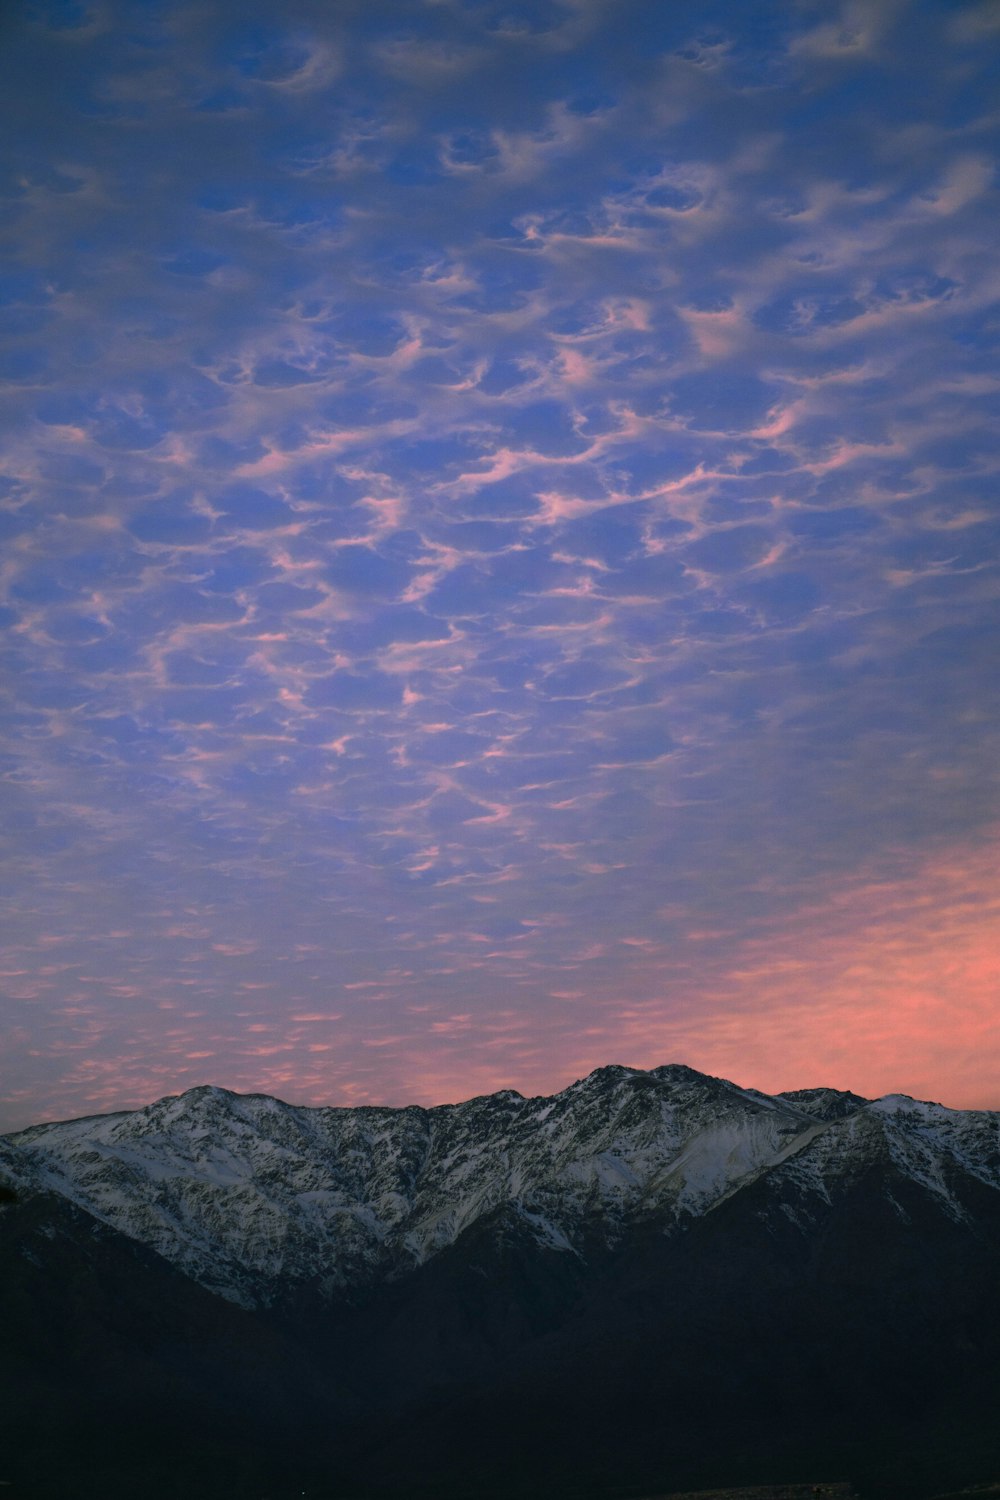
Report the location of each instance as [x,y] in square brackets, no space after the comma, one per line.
[876,986]
[880,987]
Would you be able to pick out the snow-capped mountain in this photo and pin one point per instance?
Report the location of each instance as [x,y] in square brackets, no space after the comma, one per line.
[647,1283]
[250,1196]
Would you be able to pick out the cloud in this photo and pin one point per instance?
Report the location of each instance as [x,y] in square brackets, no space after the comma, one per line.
[486,498]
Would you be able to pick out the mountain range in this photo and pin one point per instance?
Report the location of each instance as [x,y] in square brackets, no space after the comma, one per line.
[648,1282]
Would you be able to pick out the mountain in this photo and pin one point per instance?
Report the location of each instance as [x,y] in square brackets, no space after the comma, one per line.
[648,1281]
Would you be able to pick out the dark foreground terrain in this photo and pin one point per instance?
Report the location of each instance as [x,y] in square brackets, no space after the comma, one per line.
[651,1284]
[839,1490]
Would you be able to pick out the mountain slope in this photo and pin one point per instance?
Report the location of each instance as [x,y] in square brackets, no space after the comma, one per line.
[120,1376]
[649,1281]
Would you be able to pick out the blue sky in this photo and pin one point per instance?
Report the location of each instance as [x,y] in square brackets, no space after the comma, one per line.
[500,546]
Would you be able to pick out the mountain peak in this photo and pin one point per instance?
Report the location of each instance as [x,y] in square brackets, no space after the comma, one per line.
[904,1104]
[608,1074]
[825,1103]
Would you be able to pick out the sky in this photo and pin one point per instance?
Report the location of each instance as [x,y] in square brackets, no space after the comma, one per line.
[499,563]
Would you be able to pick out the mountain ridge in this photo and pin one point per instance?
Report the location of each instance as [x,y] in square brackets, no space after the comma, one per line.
[246,1193]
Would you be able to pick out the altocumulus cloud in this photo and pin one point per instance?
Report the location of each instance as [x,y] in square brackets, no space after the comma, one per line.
[499,546]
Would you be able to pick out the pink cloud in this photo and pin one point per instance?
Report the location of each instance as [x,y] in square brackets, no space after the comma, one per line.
[880,986]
